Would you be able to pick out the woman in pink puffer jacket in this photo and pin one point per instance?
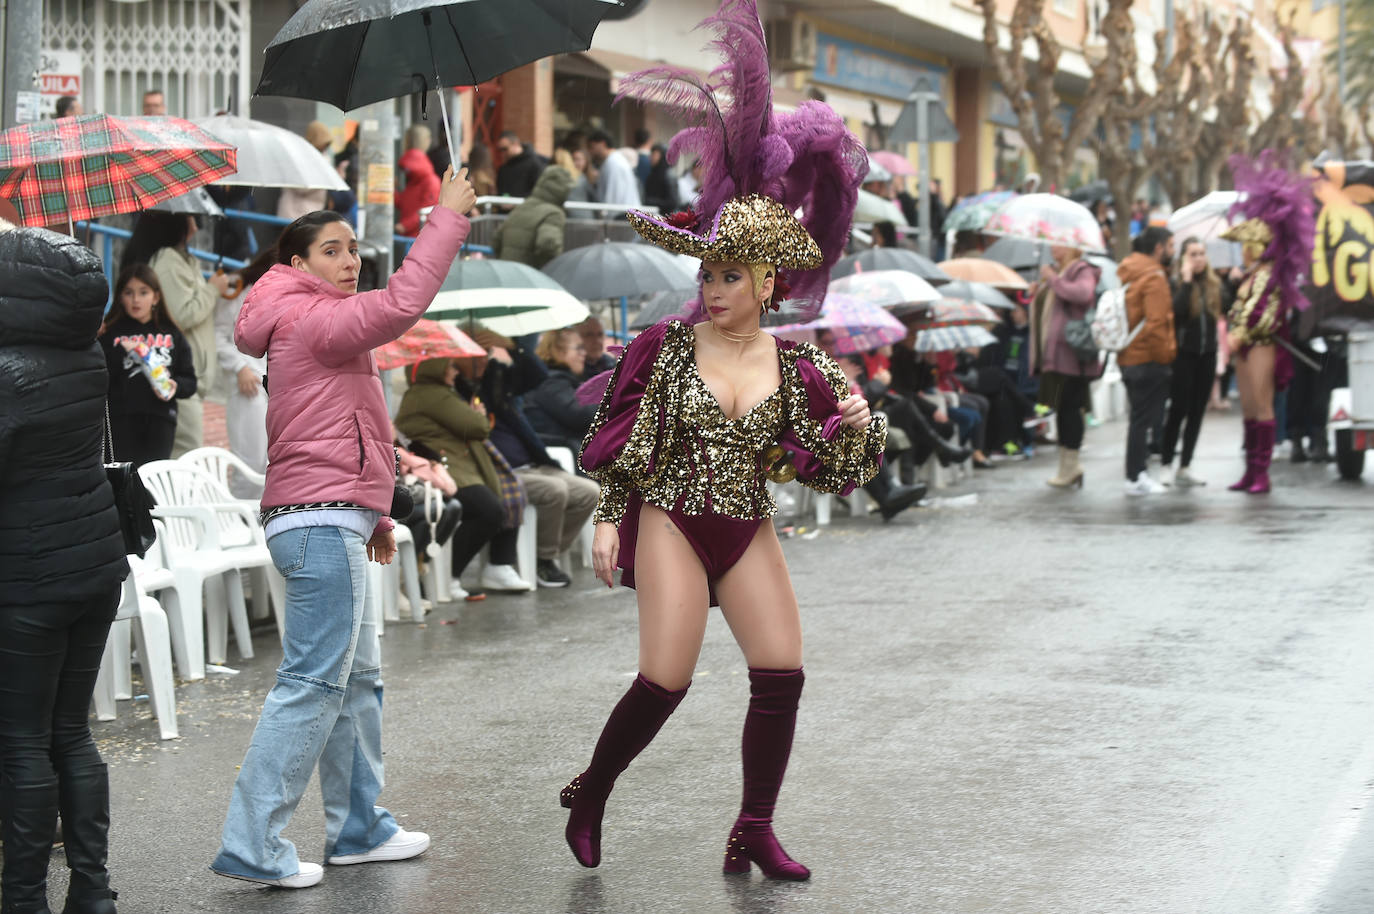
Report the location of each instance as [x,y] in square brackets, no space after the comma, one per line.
[330,479]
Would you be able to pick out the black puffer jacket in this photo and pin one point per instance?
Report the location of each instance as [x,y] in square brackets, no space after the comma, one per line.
[555,412]
[59,534]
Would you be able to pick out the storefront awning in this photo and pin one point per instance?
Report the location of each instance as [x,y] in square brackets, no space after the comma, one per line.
[609,65]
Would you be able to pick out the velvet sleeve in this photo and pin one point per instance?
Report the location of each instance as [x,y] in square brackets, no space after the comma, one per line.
[829,456]
[622,445]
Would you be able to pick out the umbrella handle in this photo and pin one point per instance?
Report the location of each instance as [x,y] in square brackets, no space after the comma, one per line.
[439,90]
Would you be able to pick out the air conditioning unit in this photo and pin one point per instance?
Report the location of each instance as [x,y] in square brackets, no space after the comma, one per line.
[791,44]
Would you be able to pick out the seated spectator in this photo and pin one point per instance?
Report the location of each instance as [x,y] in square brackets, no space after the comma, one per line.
[437,509]
[434,414]
[970,409]
[928,427]
[564,501]
[552,407]
[593,335]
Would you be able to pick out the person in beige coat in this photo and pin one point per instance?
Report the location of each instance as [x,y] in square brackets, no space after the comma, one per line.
[160,240]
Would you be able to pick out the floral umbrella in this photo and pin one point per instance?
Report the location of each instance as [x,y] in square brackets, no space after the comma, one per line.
[943,339]
[972,213]
[886,288]
[951,312]
[427,340]
[857,325]
[76,168]
[1047,219]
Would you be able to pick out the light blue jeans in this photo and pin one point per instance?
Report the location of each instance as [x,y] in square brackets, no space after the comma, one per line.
[326,707]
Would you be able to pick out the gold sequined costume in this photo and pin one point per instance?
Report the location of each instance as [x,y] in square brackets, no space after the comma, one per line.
[1257,313]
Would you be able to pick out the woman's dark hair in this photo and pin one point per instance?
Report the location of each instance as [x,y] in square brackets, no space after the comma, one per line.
[154,231]
[479,158]
[884,234]
[296,238]
[266,259]
[144,274]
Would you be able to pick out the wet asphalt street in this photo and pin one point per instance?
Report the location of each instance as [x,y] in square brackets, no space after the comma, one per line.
[1051,702]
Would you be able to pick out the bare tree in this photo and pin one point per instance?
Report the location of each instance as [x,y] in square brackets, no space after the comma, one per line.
[1189,85]
[1126,140]
[1030,89]
[1229,127]
[1279,131]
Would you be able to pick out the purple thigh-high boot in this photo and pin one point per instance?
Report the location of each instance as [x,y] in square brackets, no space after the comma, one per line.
[632,725]
[766,746]
[1264,450]
[1244,483]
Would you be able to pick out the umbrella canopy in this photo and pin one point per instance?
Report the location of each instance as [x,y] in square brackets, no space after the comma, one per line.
[99,165]
[363,51]
[427,340]
[886,288]
[613,269]
[982,293]
[983,270]
[1091,192]
[889,259]
[857,325]
[663,305]
[507,297]
[1048,219]
[1020,256]
[951,312]
[1206,219]
[942,339]
[271,156]
[873,208]
[897,165]
[194,202]
[876,172]
[972,213]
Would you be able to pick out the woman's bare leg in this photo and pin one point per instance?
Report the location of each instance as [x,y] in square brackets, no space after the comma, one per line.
[1255,380]
[674,601]
[759,605]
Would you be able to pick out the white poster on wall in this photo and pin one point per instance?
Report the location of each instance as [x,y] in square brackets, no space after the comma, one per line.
[59,74]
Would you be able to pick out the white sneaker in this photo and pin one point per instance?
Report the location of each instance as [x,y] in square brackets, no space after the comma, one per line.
[1144,485]
[309,874]
[504,577]
[1166,475]
[1183,479]
[401,846]
[456,593]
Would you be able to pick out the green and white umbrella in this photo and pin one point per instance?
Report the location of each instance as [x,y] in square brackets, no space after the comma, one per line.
[506,297]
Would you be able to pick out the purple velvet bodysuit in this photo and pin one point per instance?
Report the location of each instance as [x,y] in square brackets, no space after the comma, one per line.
[661,438]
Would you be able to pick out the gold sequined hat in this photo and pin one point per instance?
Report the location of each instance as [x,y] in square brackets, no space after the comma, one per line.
[1250,231]
[750,229]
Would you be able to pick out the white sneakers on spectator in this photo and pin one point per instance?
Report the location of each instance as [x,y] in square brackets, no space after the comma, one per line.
[1166,475]
[456,593]
[1144,485]
[504,577]
[401,846]
[308,875]
[1185,478]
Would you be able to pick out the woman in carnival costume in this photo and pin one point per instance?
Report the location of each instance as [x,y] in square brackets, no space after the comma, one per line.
[704,409]
[1277,239]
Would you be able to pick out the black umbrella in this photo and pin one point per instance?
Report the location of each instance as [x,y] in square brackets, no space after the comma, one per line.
[1091,192]
[616,269]
[1017,253]
[890,259]
[351,53]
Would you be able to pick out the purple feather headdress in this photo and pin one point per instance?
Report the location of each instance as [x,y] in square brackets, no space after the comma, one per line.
[1284,202]
[806,160]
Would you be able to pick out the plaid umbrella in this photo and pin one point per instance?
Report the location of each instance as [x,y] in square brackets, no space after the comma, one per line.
[97,165]
[857,325]
[951,312]
[427,340]
[943,339]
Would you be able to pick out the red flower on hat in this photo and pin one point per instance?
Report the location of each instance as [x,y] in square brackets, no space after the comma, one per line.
[781,290]
[683,219]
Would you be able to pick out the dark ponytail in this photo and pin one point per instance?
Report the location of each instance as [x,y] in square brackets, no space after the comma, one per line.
[296,238]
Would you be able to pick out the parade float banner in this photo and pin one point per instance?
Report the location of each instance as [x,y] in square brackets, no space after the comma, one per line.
[1342,286]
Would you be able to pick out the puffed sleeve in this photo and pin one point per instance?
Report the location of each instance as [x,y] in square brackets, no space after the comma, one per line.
[829,456]
[622,445]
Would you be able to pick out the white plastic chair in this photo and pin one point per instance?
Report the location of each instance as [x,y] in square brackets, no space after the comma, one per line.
[151,634]
[565,459]
[269,588]
[210,538]
[402,570]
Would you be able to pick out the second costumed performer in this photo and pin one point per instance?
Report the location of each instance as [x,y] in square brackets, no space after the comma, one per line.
[703,410]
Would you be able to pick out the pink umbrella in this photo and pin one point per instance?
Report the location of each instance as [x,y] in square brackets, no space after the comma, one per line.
[894,163]
[427,340]
[857,325]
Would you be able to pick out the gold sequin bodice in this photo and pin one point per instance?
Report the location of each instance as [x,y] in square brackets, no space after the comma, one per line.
[684,453]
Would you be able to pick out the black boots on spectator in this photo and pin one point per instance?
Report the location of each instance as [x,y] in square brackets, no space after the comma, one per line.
[893,499]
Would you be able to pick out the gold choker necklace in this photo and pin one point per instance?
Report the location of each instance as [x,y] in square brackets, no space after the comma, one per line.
[731,336]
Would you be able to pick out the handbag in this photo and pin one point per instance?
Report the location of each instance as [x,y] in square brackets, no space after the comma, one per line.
[133,503]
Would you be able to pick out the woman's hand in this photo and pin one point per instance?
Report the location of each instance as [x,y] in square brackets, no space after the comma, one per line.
[1047,272]
[382,547]
[171,391]
[1233,339]
[854,412]
[605,552]
[455,191]
[221,282]
[249,382]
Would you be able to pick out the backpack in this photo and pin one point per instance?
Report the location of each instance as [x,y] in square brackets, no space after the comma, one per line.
[1104,328]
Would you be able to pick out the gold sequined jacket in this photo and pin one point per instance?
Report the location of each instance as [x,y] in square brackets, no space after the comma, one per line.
[660,434]
[1258,312]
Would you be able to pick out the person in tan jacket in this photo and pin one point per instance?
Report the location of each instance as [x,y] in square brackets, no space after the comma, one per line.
[1145,363]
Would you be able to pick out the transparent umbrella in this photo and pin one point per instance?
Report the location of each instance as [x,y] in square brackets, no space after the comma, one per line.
[504,296]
